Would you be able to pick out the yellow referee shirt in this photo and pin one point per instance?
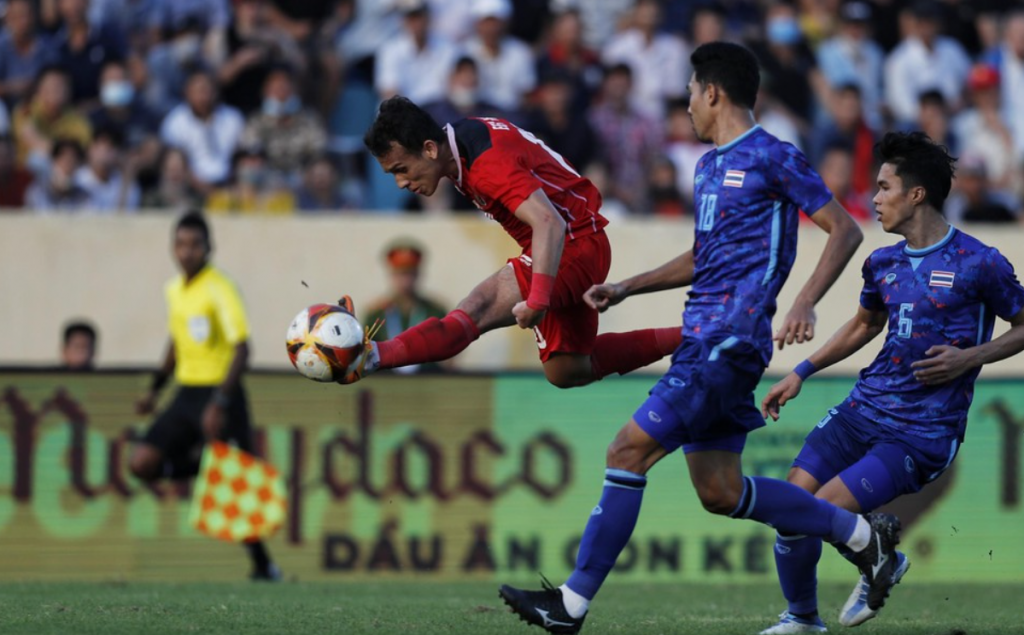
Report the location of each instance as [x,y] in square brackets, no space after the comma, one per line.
[206,319]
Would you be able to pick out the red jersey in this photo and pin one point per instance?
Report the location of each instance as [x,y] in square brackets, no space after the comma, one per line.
[501,165]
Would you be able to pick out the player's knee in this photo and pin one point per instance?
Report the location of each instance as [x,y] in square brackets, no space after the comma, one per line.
[622,455]
[566,380]
[718,499]
[144,465]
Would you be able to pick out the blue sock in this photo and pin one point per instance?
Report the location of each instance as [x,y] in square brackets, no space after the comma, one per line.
[796,560]
[608,530]
[792,510]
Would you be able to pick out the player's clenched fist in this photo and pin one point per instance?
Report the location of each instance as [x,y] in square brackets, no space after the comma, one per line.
[779,394]
[602,296]
[527,317]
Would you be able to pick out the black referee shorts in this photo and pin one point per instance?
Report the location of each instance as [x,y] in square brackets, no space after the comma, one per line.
[178,431]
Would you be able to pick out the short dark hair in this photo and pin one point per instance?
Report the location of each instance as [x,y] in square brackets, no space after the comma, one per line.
[194,219]
[62,144]
[621,68]
[932,98]
[730,67]
[919,162]
[79,326]
[400,121]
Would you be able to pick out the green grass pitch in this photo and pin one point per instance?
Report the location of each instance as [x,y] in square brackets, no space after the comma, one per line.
[405,608]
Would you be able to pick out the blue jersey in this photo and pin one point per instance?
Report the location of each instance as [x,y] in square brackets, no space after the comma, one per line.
[747,194]
[946,294]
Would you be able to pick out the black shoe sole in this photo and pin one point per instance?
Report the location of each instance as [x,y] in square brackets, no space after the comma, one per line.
[508,596]
[893,528]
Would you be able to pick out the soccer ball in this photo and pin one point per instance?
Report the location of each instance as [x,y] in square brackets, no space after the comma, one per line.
[324,341]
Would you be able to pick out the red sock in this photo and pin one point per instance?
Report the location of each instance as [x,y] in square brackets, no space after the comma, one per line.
[624,352]
[432,340]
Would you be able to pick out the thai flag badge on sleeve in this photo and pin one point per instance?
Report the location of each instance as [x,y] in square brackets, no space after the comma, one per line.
[734,178]
[941,279]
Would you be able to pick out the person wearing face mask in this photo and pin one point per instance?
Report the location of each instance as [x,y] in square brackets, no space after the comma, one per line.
[108,188]
[253,189]
[463,98]
[290,134]
[120,108]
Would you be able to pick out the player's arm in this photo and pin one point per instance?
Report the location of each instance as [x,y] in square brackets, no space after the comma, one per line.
[674,274]
[844,236]
[548,229]
[946,363]
[160,379]
[850,338]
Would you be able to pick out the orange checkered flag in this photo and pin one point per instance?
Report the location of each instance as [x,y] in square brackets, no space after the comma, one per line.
[237,497]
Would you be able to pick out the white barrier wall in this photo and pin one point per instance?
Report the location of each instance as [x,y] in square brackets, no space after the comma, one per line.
[112,271]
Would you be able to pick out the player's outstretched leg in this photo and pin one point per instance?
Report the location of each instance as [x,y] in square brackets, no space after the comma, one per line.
[625,352]
[544,608]
[856,611]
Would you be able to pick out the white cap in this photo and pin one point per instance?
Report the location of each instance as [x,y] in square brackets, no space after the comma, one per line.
[491,9]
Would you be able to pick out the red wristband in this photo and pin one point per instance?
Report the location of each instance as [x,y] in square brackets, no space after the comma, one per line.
[541,286]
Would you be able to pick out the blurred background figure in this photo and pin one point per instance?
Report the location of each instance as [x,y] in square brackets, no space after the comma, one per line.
[206,130]
[58,190]
[23,52]
[173,188]
[836,170]
[417,63]
[78,348]
[14,179]
[1008,60]
[707,24]
[506,66]
[252,189]
[82,48]
[555,121]
[663,190]
[320,190]
[631,140]
[463,98]
[972,199]
[794,80]
[660,62]
[984,134]
[925,60]
[845,126]
[852,57]
[102,177]
[284,129]
[934,120]
[567,54]
[120,108]
[44,118]
[683,148]
[405,306]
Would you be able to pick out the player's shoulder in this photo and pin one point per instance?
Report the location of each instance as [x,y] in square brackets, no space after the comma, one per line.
[474,137]
[883,256]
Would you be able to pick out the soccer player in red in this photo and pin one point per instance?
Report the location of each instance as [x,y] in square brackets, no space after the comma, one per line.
[554,215]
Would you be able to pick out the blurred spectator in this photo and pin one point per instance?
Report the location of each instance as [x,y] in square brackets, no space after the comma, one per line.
[836,170]
[683,148]
[82,48]
[206,130]
[120,108]
[972,200]
[771,115]
[108,188]
[405,306]
[463,99]
[23,52]
[78,348]
[210,17]
[174,188]
[289,134]
[555,121]
[58,191]
[662,188]
[506,66]
[707,24]
[418,62]
[14,180]
[1008,59]
[47,116]
[251,191]
[983,133]
[934,120]
[660,62]
[601,18]
[454,19]
[5,120]
[924,60]
[847,128]
[567,54]
[631,140]
[851,57]
[319,190]
[789,65]
[363,27]
[254,47]
[168,65]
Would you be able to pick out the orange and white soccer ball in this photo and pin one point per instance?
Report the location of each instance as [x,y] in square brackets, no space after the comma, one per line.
[324,342]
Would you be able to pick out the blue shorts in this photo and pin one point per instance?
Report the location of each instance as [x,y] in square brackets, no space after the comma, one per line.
[706,399]
[876,462]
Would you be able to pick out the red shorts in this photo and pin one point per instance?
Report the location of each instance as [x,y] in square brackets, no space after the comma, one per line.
[569,326]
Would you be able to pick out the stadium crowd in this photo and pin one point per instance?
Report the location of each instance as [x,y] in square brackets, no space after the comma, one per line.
[259,106]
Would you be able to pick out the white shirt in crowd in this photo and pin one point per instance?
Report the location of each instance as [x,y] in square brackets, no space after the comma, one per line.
[1011,73]
[912,69]
[109,196]
[419,75]
[660,68]
[207,144]
[506,77]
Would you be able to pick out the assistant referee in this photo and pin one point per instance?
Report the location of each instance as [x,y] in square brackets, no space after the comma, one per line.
[207,353]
